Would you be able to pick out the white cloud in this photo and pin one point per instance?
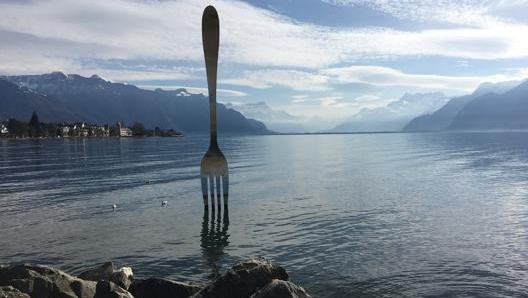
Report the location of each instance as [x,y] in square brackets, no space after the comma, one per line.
[68,32]
[300,98]
[464,12]
[197,90]
[330,79]
[293,79]
[321,113]
[161,41]
[333,101]
[368,98]
[384,76]
[150,74]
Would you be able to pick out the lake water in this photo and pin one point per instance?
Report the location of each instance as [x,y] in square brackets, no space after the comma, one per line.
[358,215]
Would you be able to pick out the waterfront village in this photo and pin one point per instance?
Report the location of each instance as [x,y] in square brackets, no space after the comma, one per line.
[16,129]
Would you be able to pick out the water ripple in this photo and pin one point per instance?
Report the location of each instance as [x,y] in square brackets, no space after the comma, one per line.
[384,215]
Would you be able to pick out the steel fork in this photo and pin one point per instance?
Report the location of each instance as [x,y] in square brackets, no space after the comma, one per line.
[213,170]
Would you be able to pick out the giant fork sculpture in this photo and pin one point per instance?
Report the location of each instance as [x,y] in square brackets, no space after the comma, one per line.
[213,170]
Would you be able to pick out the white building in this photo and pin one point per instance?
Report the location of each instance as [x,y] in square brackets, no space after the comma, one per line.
[3,129]
[65,131]
[124,131]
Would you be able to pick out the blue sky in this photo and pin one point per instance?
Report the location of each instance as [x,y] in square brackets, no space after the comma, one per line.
[321,59]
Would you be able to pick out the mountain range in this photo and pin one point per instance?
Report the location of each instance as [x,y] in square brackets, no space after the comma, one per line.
[74,98]
[276,120]
[395,115]
[57,97]
[491,106]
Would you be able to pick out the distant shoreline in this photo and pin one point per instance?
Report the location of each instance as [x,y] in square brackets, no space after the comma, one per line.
[77,138]
[405,132]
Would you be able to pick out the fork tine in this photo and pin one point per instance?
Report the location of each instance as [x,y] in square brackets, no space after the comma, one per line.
[204,192]
[225,186]
[218,194]
[211,194]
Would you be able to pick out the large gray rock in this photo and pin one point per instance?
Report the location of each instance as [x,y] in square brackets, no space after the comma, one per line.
[244,279]
[108,289]
[108,271]
[10,292]
[96,274]
[162,288]
[45,282]
[281,289]
[256,278]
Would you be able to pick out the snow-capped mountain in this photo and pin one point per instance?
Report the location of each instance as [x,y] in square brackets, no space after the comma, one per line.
[395,115]
[261,110]
[275,120]
[60,97]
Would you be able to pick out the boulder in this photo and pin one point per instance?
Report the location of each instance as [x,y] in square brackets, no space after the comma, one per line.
[108,271]
[45,282]
[10,292]
[108,289]
[122,277]
[256,278]
[102,272]
[162,288]
[244,279]
[281,289]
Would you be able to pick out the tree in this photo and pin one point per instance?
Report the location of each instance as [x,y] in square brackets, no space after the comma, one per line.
[11,126]
[34,126]
[138,129]
[114,130]
[17,128]
[50,130]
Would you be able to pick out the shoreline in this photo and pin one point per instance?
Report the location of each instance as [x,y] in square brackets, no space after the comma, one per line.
[254,278]
[77,138]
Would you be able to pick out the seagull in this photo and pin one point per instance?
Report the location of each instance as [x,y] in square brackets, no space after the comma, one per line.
[163,203]
[114,207]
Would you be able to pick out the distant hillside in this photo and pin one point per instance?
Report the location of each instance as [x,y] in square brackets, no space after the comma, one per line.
[60,97]
[395,115]
[276,120]
[443,117]
[19,102]
[440,119]
[495,111]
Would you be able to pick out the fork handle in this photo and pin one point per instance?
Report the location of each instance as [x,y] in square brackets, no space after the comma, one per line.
[210,40]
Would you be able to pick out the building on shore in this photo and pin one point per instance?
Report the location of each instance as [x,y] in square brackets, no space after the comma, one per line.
[64,131]
[82,129]
[3,129]
[123,130]
[13,128]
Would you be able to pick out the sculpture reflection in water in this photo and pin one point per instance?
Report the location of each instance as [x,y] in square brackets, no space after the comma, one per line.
[214,238]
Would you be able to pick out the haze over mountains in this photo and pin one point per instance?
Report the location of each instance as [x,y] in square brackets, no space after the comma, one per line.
[508,110]
[395,115]
[501,105]
[275,120]
[491,106]
[59,97]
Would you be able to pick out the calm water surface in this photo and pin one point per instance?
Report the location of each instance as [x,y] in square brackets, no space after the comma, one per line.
[368,215]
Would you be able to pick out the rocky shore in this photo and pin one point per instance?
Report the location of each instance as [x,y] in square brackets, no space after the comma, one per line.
[255,278]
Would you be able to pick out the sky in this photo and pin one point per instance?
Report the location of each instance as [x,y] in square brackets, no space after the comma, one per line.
[323,60]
